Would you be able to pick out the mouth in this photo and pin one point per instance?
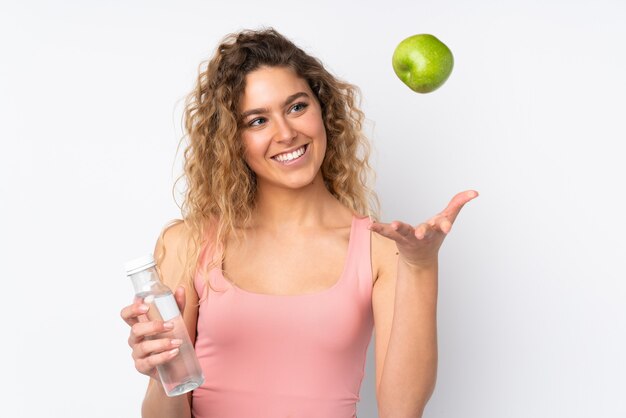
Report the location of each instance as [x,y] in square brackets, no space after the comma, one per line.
[287,157]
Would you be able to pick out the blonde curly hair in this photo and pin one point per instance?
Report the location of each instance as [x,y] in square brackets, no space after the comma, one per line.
[220,187]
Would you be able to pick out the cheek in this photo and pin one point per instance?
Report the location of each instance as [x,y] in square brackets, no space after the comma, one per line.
[248,151]
[317,127]
[251,146]
[323,135]
[324,141]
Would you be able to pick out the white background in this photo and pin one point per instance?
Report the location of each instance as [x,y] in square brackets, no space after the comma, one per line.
[532,300]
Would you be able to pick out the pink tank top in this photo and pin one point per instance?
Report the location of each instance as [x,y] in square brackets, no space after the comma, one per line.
[278,356]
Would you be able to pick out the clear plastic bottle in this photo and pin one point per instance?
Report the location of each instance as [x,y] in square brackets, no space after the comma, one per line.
[183,372]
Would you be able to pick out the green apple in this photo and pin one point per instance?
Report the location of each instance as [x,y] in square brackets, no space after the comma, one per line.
[422,62]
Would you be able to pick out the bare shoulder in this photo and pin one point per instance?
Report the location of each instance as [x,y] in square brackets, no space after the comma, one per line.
[384,257]
[174,234]
[171,253]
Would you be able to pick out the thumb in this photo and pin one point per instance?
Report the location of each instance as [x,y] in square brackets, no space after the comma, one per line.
[179,295]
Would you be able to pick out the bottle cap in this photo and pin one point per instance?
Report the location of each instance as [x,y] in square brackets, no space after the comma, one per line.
[139,264]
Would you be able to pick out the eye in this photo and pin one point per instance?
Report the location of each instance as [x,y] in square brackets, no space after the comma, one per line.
[298,107]
[257,122]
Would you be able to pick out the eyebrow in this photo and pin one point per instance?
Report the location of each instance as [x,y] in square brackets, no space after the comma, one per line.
[265,110]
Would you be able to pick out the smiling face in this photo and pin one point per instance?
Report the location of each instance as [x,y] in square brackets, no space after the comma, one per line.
[283,134]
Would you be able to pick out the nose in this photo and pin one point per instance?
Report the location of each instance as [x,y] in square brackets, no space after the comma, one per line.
[284,131]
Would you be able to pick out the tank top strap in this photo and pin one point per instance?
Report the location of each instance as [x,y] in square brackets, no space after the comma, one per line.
[209,263]
[359,264]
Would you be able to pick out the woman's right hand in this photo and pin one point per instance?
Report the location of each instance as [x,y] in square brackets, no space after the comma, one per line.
[149,350]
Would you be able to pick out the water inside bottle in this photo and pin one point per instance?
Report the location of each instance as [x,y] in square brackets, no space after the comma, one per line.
[183,373]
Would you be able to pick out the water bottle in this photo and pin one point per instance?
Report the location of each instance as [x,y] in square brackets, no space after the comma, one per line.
[182,373]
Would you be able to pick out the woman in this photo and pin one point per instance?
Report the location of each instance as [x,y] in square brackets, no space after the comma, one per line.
[279,276]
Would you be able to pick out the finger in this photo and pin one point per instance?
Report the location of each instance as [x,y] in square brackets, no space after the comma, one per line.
[425,230]
[142,330]
[440,223]
[131,313]
[147,364]
[150,347]
[387,231]
[402,228]
[445,225]
[457,203]
[179,295]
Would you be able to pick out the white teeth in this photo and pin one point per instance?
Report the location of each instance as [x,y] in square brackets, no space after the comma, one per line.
[290,155]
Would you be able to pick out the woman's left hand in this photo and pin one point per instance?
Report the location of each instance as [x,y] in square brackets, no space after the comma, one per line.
[419,246]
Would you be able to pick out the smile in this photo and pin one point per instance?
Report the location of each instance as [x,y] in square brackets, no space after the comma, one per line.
[290,156]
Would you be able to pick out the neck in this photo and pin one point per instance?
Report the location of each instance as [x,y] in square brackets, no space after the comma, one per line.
[311,206]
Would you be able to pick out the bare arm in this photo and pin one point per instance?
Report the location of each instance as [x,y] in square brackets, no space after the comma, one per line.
[405,306]
[405,310]
[147,354]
